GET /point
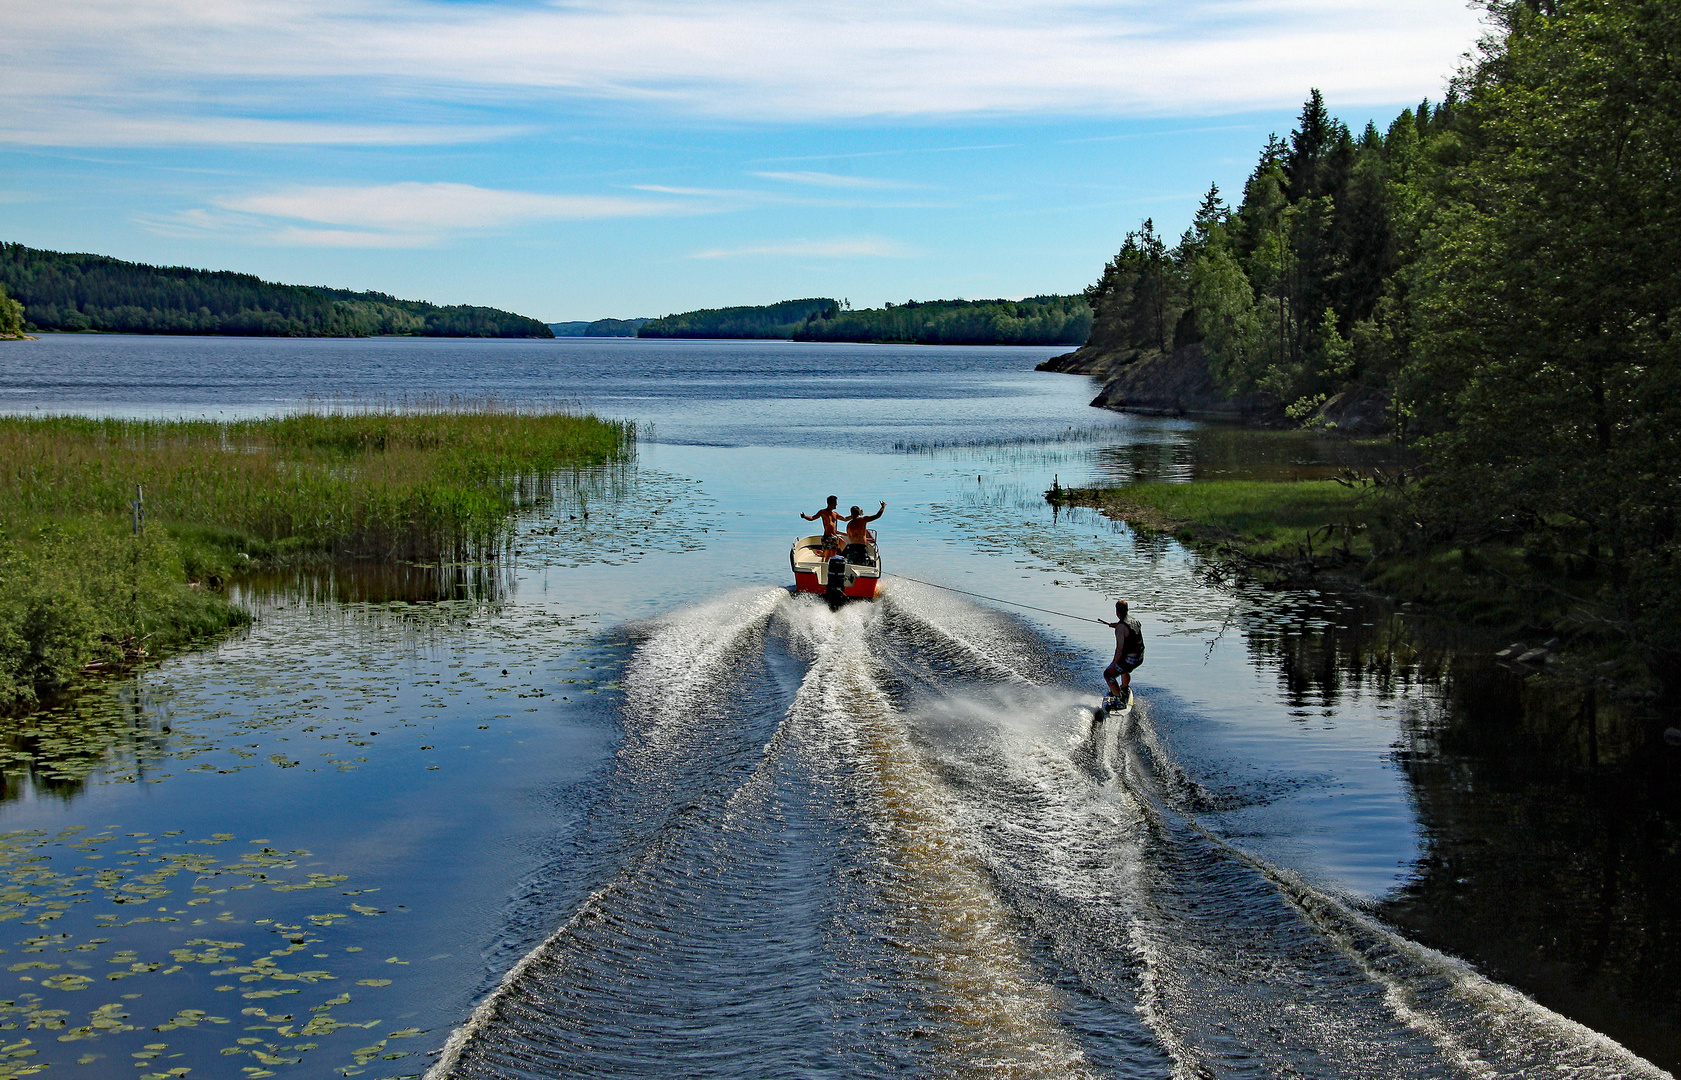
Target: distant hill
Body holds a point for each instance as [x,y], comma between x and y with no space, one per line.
[1037,320]
[768,321]
[95,292]
[598,328]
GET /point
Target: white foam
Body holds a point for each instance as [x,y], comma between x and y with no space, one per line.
[677,666]
[955,931]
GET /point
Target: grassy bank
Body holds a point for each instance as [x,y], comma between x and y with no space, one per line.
[1291,531]
[1272,527]
[1311,531]
[78,588]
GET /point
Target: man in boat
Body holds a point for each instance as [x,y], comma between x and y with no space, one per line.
[858,536]
[1129,652]
[830,516]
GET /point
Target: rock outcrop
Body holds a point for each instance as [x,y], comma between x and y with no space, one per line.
[1179,384]
[1358,410]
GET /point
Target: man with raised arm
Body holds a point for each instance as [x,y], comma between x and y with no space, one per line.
[858,534]
[830,517]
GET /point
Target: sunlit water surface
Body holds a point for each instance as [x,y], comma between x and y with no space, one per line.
[634,808]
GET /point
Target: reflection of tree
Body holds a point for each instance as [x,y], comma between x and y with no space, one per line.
[1326,651]
[1559,882]
[1544,872]
[1223,452]
[52,752]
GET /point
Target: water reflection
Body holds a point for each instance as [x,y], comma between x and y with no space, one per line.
[51,753]
[1557,879]
[1139,449]
[1326,648]
[1550,860]
[376,583]
[1178,451]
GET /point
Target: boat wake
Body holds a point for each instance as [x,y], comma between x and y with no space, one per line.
[890,839]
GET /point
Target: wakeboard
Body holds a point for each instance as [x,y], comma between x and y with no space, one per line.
[1115,703]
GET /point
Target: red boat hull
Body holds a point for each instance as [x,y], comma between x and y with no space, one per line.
[864,588]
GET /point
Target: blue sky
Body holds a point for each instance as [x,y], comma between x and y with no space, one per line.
[578,160]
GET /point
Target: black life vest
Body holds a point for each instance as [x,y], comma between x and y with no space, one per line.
[1135,639]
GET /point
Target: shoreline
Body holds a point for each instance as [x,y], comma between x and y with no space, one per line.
[1592,700]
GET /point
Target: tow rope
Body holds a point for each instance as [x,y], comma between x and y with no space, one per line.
[999,600]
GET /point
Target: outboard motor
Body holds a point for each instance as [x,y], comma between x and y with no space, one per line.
[840,576]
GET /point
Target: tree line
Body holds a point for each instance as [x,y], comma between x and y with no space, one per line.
[774,321]
[1037,320]
[1504,266]
[94,292]
[598,328]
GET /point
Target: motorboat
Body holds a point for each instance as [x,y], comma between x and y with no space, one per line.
[850,575]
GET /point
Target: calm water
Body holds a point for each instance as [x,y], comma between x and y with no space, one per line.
[633,808]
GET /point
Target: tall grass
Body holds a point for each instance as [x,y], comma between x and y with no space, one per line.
[430,483]
[1263,520]
[389,483]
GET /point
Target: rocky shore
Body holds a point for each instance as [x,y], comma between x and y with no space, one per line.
[1178,383]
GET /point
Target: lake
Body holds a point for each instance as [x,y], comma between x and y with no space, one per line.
[622,804]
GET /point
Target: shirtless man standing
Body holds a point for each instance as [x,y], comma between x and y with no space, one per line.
[858,535]
[1129,652]
[831,519]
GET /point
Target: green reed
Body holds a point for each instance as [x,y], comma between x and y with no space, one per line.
[387,483]
[433,481]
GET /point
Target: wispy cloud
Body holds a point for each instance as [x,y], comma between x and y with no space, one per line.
[418,206]
[850,248]
[141,71]
[409,214]
[40,125]
[893,153]
[831,180]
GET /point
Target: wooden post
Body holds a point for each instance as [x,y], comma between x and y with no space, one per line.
[139,508]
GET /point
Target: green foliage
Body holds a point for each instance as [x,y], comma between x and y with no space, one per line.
[1137,302]
[1261,519]
[78,592]
[1037,320]
[769,321]
[11,315]
[1546,378]
[1296,293]
[93,292]
[1506,268]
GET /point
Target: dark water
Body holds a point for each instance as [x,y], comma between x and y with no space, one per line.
[633,808]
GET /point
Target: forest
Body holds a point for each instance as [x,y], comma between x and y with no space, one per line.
[1037,320]
[1504,269]
[776,321]
[95,292]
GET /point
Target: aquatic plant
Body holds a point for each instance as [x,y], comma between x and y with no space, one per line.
[88,577]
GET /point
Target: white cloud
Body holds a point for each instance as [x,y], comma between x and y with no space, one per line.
[80,126]
[140,71]
[854,248]
[832,180]
[412,206]
[403,215]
